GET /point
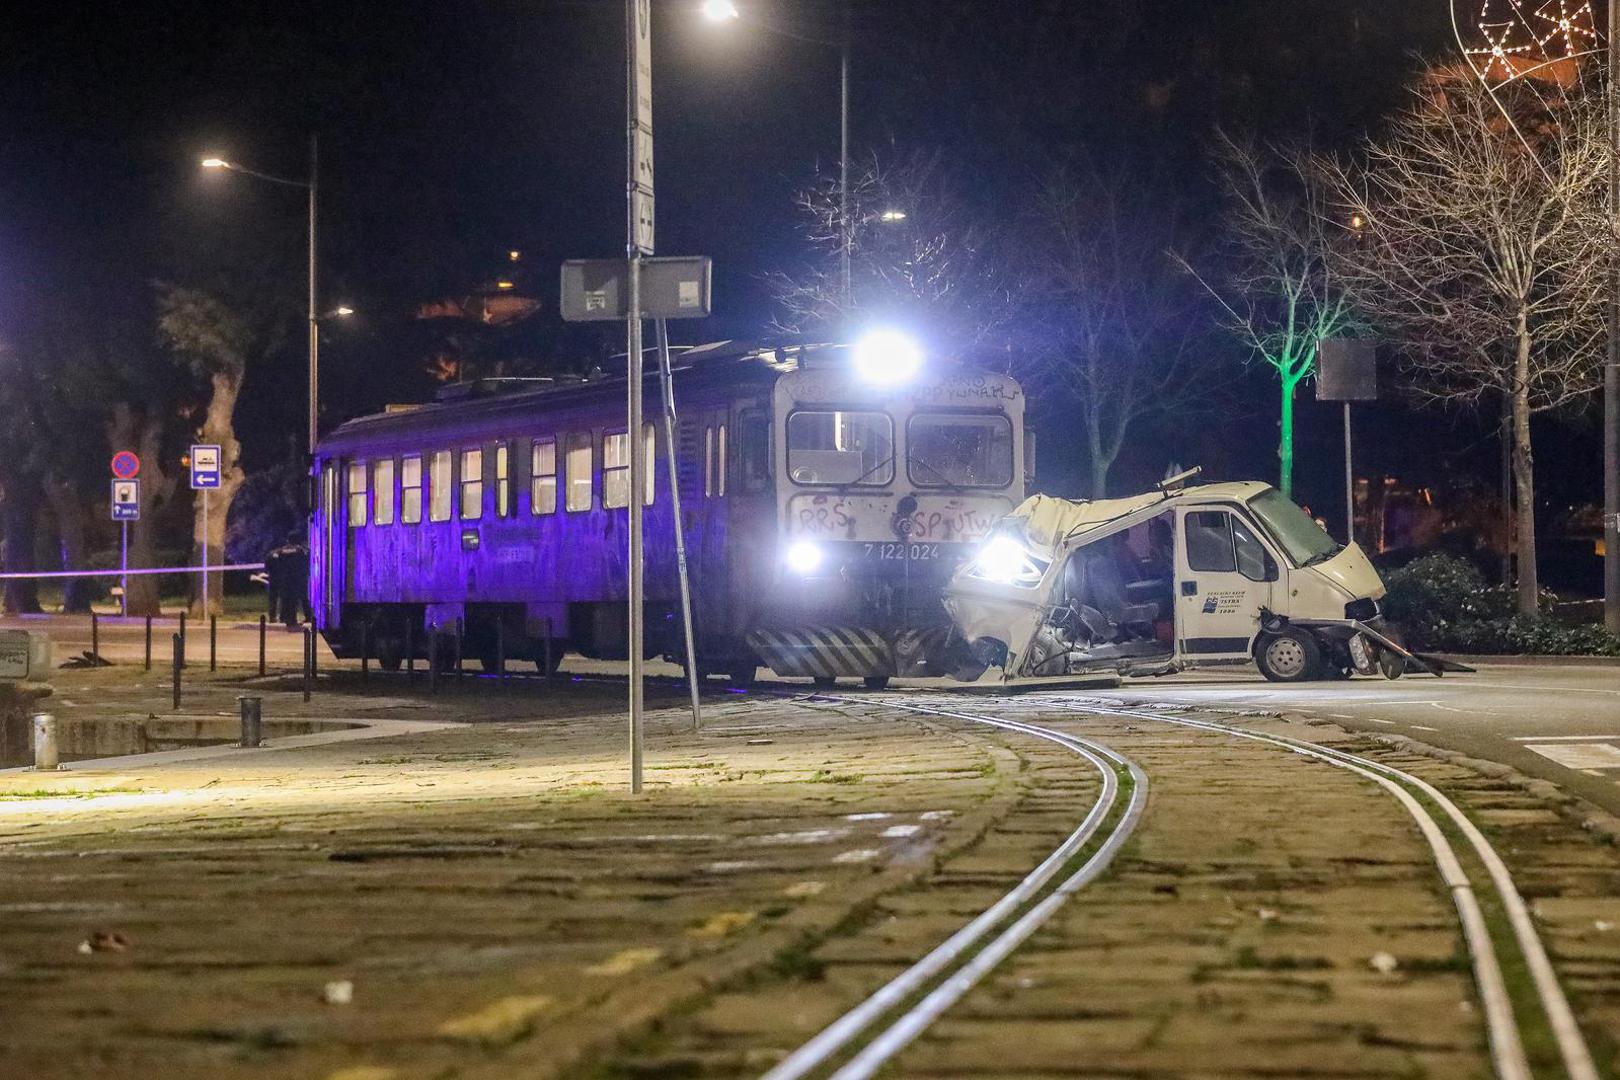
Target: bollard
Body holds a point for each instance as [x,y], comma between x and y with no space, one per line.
[309,661]
[149,643]
[365,654]
[252,721]
[46,757]
[182,638]
[179,661]
[261,645]
[213,640]
[95,634]
[410,649]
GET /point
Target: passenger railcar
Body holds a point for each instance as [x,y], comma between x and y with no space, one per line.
[824,508]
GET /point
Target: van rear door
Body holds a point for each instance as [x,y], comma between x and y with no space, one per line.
[1225,574]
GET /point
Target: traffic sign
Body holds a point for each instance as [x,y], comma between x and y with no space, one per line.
[126,500]
[204,467]
[672,287]
[126,465]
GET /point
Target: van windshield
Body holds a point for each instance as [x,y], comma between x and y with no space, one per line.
[1301,537]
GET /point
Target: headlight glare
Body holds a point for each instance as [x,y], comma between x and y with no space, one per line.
[804,557]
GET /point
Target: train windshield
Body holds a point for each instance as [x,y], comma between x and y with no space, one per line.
[957,450]
[840,448]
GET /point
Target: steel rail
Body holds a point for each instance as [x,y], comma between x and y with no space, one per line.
[1572,1047]
[914,980]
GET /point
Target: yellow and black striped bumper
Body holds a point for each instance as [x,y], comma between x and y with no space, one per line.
[824,651]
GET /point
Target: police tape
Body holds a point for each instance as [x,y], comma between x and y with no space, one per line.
[132,572]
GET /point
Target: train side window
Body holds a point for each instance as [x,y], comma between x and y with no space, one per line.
[577,462]
[708,462]
[753,451]
[615,470]
[503,480]
[410,489]
[439,490]
[649,446]
[357,494]
[1209,541]
[721,460]
[472,484]
[382,492]
[714,461]
[543,476]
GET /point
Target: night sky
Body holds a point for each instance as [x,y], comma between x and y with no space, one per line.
[452,133]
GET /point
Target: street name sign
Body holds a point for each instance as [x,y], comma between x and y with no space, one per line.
[204,467]
[672,287]
[126,500]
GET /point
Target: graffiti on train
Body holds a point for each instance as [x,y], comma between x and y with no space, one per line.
[841,518]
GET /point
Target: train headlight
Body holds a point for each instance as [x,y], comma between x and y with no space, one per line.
[804,557]
[887,357]
[1007,562]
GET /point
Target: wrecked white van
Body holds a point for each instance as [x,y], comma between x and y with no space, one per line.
[1179,577]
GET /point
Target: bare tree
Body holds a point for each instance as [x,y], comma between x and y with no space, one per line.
[1112,320]
[1280,293]
[921,256]
[1488,255]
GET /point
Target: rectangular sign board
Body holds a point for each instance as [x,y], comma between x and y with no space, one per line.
[672,287]
[24,654]
[204,466]
[1346,370]
[126,500]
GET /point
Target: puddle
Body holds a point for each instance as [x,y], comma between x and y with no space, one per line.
[85,739]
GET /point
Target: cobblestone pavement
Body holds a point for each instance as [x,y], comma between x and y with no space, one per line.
[498,905]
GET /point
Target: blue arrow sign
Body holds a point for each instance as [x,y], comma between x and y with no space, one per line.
[204,467]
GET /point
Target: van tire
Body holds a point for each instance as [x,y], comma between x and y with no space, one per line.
[1289,655]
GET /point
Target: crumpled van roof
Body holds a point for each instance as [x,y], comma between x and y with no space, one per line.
[1048,522]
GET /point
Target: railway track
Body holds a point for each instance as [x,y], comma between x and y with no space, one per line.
[872,1033]
[902,1009]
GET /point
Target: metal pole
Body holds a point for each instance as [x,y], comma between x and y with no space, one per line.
[123,569]
[262,621]
[846,231]
[1349,484]
[314,329]
[149,643]
[205,551]
[1611,367]
[665,376]
[95,634]
[633,378]
[213,642]
[252,721]
[182,637]
[178,644]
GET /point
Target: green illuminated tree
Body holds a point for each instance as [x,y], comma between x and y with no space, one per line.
[1279,291]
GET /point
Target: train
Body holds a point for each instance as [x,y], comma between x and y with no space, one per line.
[828,493]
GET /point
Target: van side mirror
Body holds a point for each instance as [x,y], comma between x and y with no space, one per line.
[1029,458]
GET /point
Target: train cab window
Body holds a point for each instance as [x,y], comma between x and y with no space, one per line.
[357,494]
[840,448]
[577,463]
[503,480]
[543,476]
[472,484]
[382,492]
[439,490]
[410,489]
[753,451]
[959,450]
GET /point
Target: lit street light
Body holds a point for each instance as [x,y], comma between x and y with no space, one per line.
[313,316]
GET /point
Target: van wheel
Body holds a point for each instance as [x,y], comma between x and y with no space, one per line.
[1289,655]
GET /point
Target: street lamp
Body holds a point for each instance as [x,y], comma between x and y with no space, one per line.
[313,316]
[723,11]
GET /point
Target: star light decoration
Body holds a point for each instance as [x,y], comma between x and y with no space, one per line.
[1514,40]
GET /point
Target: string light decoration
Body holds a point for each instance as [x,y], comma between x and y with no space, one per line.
[1516,38]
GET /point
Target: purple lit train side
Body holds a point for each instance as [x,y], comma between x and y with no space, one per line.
[823,513]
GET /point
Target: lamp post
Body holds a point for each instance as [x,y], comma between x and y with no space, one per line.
[310,186]
[722,11]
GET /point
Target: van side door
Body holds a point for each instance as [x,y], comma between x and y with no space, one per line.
[1225,574]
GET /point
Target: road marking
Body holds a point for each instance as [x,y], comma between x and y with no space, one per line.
[1555,689]
[1562,738]
[1582,756]
[1423,727]
[1375,720]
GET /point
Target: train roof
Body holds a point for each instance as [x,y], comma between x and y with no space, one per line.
[721,363]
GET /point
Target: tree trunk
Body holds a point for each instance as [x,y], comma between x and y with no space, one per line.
[1285,440]
[1523,475]
[218,429]
[20,516]
[70,513]
[1099,458]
